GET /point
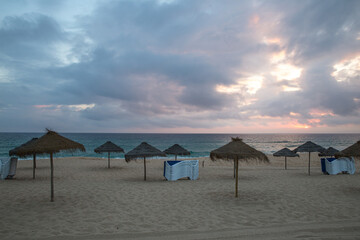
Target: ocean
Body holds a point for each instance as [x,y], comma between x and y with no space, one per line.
[199,145]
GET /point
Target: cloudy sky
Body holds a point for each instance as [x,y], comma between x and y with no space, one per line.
[180,66]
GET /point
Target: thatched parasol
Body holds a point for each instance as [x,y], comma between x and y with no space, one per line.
[176,149]
[285,152]
[108,147]
[14,152]
[144,150]
[50,143]
[309,147]
[237,150]
[352,151]
[328,152]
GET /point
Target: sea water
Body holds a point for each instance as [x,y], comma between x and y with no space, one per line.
[200,145]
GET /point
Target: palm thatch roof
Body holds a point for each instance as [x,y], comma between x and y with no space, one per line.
[285,152]
[329,152]
[51,142]
[13,152]
[143,150]
[108,147]
[352,151]
[18,149]
[176,149]
[237,149]
[309,147]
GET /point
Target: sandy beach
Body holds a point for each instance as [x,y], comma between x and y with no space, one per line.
[94,202]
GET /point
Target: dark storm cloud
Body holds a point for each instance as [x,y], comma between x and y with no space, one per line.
[327,93]
[136,76]
[27,37]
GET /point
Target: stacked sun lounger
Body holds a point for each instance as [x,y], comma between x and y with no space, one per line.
[174,170]
[334,166]
[8,167]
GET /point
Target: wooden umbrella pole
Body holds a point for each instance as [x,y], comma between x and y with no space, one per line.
[285,163]
[237,177]
[175,157]
[52,177]
[34,165]
[234,168]
[108,159]
[144,168]
[309,163]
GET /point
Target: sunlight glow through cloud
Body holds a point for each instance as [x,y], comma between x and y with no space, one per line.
[278,57]
[269,41]
[346,69]
[290,89]
[251,85]
[298,125]
[320,113]
[75,108]
[286,72]
[294,114]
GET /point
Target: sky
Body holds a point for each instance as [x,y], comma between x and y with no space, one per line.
[167,66]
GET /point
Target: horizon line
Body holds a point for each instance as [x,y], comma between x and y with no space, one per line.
[185,133]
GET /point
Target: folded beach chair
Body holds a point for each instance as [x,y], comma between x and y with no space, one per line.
[174,170]
[341,165]
[13,165]
[5,168]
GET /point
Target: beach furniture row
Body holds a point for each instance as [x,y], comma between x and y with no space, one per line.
[236,150]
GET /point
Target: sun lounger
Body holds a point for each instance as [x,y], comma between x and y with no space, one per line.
[8,167]
[4,168]
[174,170]
[13,165]
[334,166]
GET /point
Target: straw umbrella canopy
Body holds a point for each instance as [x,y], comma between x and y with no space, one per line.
[176,149]
[285,152]
[328,152]
[237,150]
[144,150]
[309,147]
[352,151]
[13,152]
[50,143]
[108,147]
